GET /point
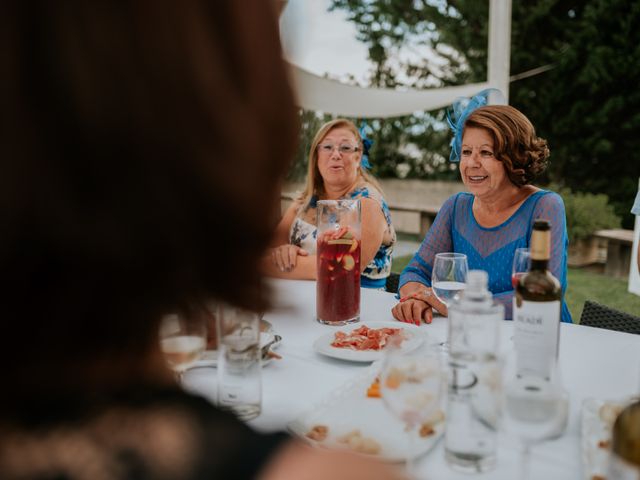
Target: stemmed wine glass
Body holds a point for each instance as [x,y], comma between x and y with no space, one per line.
[411,388]
[449,275]
[448,278]
[521,265]
[534,409]
[182,341]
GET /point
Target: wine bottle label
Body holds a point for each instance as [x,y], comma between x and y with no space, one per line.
[622,470]
[536,329]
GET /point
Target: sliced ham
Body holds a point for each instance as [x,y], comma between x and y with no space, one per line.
[365,338]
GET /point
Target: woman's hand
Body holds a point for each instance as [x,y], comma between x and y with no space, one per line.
[417,305]
[285,257]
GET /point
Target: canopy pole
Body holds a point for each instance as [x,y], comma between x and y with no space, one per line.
[499,57]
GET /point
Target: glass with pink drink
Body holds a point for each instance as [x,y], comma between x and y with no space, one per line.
[521,265]
[338,253]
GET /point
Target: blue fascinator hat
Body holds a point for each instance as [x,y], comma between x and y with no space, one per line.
[366,145]
[461,109]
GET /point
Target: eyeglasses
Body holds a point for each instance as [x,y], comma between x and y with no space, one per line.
[343,148]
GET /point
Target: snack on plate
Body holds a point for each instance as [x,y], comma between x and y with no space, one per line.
[426,429]
[318,433]
[374,389]
[356,442]
[365,338]
[437,417]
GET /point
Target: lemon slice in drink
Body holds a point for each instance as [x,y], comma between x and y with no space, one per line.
[348,262]
[340,241]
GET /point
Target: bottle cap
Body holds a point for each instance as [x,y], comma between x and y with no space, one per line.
[540,224]
[477,281]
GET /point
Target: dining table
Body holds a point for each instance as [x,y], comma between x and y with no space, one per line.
[594,363]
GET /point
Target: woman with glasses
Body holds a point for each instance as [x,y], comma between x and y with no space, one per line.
[337,170]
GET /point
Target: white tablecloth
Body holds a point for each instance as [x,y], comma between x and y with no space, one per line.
[594,363]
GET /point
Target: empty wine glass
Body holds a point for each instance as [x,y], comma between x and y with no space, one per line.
[521,265]
[182,340]
[411,386]
[534,409]
[449,275]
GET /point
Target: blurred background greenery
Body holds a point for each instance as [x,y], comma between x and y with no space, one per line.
[575,71]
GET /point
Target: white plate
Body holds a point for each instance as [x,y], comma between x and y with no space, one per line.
[209,358]
[348,409]
[322,345]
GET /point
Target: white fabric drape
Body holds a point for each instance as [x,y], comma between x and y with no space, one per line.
[331,96]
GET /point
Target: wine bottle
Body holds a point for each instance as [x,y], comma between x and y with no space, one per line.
[625,445]
[536,309]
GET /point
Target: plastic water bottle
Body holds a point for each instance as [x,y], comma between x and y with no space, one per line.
[473,377]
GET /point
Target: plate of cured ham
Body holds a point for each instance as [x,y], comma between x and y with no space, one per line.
[366,342]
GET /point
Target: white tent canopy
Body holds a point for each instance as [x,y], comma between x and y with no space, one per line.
[331,96]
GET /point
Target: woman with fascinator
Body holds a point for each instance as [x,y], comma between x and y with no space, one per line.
[337,170]
[499,157]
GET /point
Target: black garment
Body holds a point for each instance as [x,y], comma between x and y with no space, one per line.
[147,434]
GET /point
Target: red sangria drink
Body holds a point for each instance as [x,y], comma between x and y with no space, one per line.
[338,254]
[338,290]
[515,279]
[521,265]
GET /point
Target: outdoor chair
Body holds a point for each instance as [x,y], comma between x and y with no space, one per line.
[601,316]
[392,283]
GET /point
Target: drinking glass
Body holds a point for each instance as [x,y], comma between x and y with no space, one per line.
[521,265]
[239,361]
[449,275]
[534,409]
[182,340]
[448,278]
[338,262]
[411,384]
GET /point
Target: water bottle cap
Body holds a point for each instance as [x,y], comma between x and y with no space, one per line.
[477,281]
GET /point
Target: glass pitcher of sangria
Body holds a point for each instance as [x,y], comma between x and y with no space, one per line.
[338,254]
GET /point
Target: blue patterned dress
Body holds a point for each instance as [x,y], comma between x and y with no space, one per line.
[303,233]
[492,249]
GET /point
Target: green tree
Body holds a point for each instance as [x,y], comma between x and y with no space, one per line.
[587,105]
[417,146]
[310,123]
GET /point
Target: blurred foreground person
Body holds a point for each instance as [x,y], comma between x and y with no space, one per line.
[128,129]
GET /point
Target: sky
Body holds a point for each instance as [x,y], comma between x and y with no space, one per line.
[321,41]
[324,42]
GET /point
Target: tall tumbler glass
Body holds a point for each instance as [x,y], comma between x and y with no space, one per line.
[338,252]
[239,364]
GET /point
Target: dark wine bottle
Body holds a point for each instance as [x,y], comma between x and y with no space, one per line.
[625,445]
[537,306]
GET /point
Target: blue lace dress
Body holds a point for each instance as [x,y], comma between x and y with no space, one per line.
[303,233]
[492,249]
